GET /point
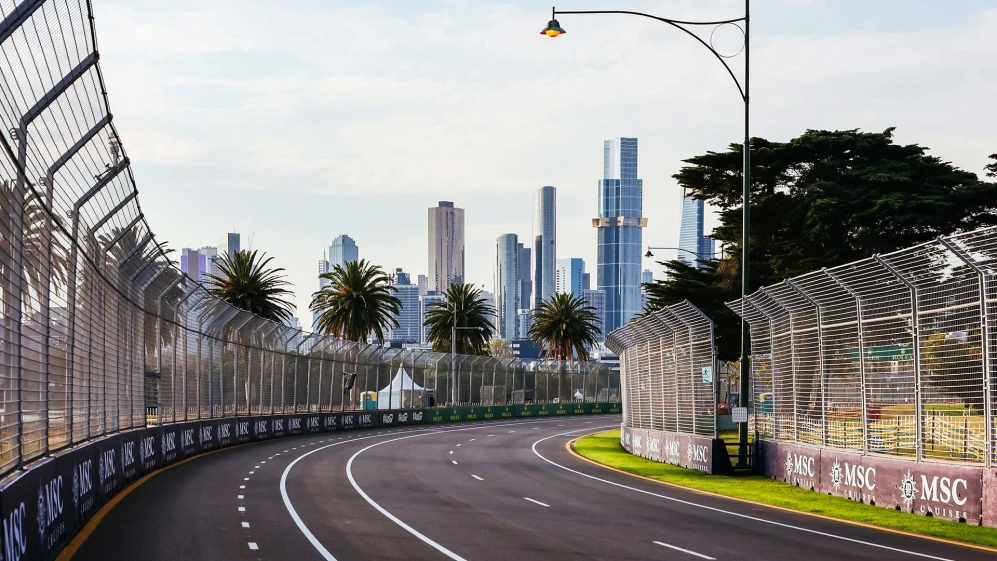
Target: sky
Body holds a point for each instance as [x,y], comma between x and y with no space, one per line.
[293,126]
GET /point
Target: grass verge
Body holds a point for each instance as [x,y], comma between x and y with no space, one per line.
[605,449]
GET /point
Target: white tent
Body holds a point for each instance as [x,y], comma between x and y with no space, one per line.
[401,393]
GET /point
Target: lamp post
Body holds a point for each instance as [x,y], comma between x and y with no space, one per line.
[554,29]
[650,255]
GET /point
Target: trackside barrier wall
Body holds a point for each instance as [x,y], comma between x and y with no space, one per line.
[669,378]
[875,380]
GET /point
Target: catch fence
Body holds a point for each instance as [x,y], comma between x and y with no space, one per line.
[101,332]
[891,355]
[668,371]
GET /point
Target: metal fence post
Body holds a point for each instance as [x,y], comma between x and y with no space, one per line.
[916,342]
[820,355]
[861,350]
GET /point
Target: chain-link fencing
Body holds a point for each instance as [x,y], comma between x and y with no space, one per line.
[891,355]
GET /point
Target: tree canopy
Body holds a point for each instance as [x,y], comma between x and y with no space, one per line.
[822,199]
[358,301]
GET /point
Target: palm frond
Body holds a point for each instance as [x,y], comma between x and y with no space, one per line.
[463,303]
[246,281]
[565,327]
[358,301]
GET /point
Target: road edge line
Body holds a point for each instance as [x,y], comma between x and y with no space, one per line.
[570,447]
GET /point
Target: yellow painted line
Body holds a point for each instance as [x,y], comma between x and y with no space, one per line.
[570,446]
[71,548]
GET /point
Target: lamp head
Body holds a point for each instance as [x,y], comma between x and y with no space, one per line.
[553,29]
[649,254]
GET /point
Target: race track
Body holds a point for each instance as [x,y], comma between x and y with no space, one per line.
[484,491]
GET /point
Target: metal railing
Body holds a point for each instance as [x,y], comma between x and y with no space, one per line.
[101,332]
[893,355]
[668,371]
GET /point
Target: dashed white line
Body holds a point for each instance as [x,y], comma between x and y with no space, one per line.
[451,451]
[263,462]
[491,435]
[245,479]
[242,509]
[253,546]
[512,431]
[252,472]
[476,477]
[472,440]
[245,524]
[240,497]
[537,502]
[677,548]
[458,445]
[256,467]
[454,462]
[242,486]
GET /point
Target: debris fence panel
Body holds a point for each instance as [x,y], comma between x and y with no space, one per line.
[891,355]
[668,370]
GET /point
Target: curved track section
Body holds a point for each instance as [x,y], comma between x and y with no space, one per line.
[485,491]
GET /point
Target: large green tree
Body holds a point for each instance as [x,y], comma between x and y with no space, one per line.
[564,326]
[463,303]
[358,301]
[246,281]
[822,199]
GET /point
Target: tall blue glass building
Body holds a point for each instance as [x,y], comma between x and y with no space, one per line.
[691,238]
[544,244]
[620,238]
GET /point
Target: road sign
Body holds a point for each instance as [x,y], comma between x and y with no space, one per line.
[739,414]
[707,374]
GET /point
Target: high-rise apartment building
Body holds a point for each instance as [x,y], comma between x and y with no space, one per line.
[544,243]
[568,276]
[586,281]
[506,284]
[619,232]
[489,300]
[199,263]
[423,283]
[426,303]
[410,317]
[694,245]
[446,246]
[524,321]
[597,300]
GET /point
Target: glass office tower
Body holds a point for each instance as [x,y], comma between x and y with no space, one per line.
[544,244]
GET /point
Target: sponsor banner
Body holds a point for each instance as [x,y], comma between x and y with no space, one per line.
[544,410]
[614,407]
[207,435]
[990,497]
[530,410]
[243,430]
[349,421]
[419,416]
[625,439]
[37,508]
[297,424]
[367,419]
[278,426]
[78,469]
[129,460]
[190,439]
[694,452]
[150,457]
[169,444]
[939,490]
[638,442]
[313,423]
[227,432]
[474,413]
[331,422]
[563,408]
[260,427]
[580,408]
[109,461]
[654,445]
[387,418]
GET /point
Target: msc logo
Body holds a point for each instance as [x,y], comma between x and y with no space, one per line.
[260,427]
[347,420]
[169,442]
[799,465]
[313,422]
[147,448]
[637,441]
[294,423]
[330,422]
[15,543]
[242,428]
[857,476]
[224,430]
[278,425]
[653,445]
[82,480]
[205,433]
[366,419]
[106,465]
[127,456]
[696,453]
[187,438]
[672,448]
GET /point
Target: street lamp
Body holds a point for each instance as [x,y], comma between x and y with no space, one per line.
[554,29]
[650,255]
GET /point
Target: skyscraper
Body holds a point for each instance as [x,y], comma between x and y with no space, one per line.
[507,286]
[544,243]
[597,300]
[230,243]
[423,284]
[426,303]
[586,281]
[524,320]
[525,275]
[342,250]
[647,277]
[446,246]
[620,237]
[568,276]
[410,317]
[691,237]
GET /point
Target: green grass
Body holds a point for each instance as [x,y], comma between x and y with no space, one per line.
[605,448]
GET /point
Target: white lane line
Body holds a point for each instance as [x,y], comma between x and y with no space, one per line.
[537,502]
[245,524]
[458,445]
[454,462]
[476,477]
[719,510]
[257,467]
[512,431]
[677,548]
[451,451]
[245,479]
[253,546]
[251,472]
[242,509]
[491,435]
[263,462]
[536,428]
[472,440]
[240,497]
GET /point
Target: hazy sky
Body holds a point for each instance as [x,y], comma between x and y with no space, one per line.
[295,125]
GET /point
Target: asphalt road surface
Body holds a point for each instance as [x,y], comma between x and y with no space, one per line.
[485,491]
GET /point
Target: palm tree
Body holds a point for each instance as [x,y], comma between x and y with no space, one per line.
[359,300]
[564,326]
[464,303]
[247,283]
